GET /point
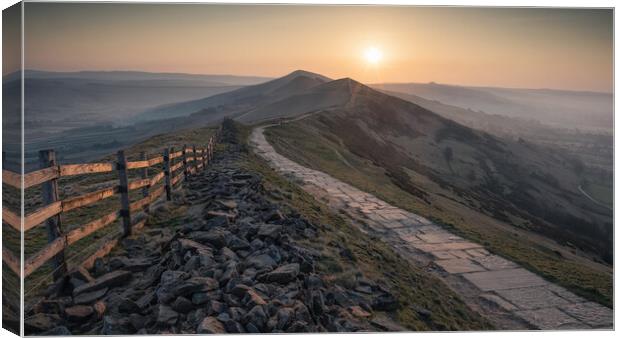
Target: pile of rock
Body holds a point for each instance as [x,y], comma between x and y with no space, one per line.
[235,266]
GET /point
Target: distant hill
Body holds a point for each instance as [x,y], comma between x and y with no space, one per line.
[205,79]
[59,101]
[242,100]
[557,108]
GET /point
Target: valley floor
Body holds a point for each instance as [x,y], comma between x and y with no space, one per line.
[506,293]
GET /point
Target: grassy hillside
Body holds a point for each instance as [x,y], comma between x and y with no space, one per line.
[559,108]
[426,303]
[316,144]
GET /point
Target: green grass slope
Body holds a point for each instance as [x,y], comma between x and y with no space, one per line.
[315,143]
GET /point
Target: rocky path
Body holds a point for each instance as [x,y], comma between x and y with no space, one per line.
[506,293]
[232,264]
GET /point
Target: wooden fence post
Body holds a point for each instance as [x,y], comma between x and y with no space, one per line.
[167,175]
[195,159]
[185,161]
[47,158]
[204,158]
[211,148]
[145,175]
[121,166]
[208,157]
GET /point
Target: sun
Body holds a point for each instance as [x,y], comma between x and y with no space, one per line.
[373,55]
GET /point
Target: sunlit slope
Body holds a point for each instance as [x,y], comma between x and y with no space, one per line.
[508,179]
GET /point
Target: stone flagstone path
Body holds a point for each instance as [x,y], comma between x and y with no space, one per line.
[509,295]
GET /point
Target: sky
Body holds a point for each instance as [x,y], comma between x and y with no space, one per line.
[509,47]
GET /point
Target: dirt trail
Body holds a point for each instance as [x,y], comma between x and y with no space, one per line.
[506,293]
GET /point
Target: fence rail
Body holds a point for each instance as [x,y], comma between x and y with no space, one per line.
[191,159]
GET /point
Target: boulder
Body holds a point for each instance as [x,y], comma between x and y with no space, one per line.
[41,322]
[130,264]
[204,284]
[116,326]
[269,230]
[236,313]
[237,243]
[251,328]
[358,312]
[228,254]
[317,302]
[217,237]
[79,312]
[313,281]
[214,308]
[146,300]
[167,292]
[111,279]
[283,274]
[57,331]
[230,272]
[261,262]
[257,317]
[233,327]
[218,221]
[200,298]
[210,325]
[256,244]
[55,306]
[137,321]
[89,297]
[252,298]
[166,316]
[128,306]
[182,304]
[284,317]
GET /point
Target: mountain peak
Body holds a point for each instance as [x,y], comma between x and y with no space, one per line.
[301,72]
[348,84]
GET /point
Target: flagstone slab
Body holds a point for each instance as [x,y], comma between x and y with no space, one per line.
[532,298]
[562,292]
[549,319]
[460,254]
[439,237]
[498,301]
[504,279]
[494,262]
[591,313]
[447,246]
[477,252]
[443,255]
[458,265]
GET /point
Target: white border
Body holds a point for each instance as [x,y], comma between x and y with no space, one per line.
[490,3]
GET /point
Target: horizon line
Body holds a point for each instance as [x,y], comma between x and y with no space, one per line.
[276,77]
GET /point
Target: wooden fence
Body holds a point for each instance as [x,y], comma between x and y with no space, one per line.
[189,159]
